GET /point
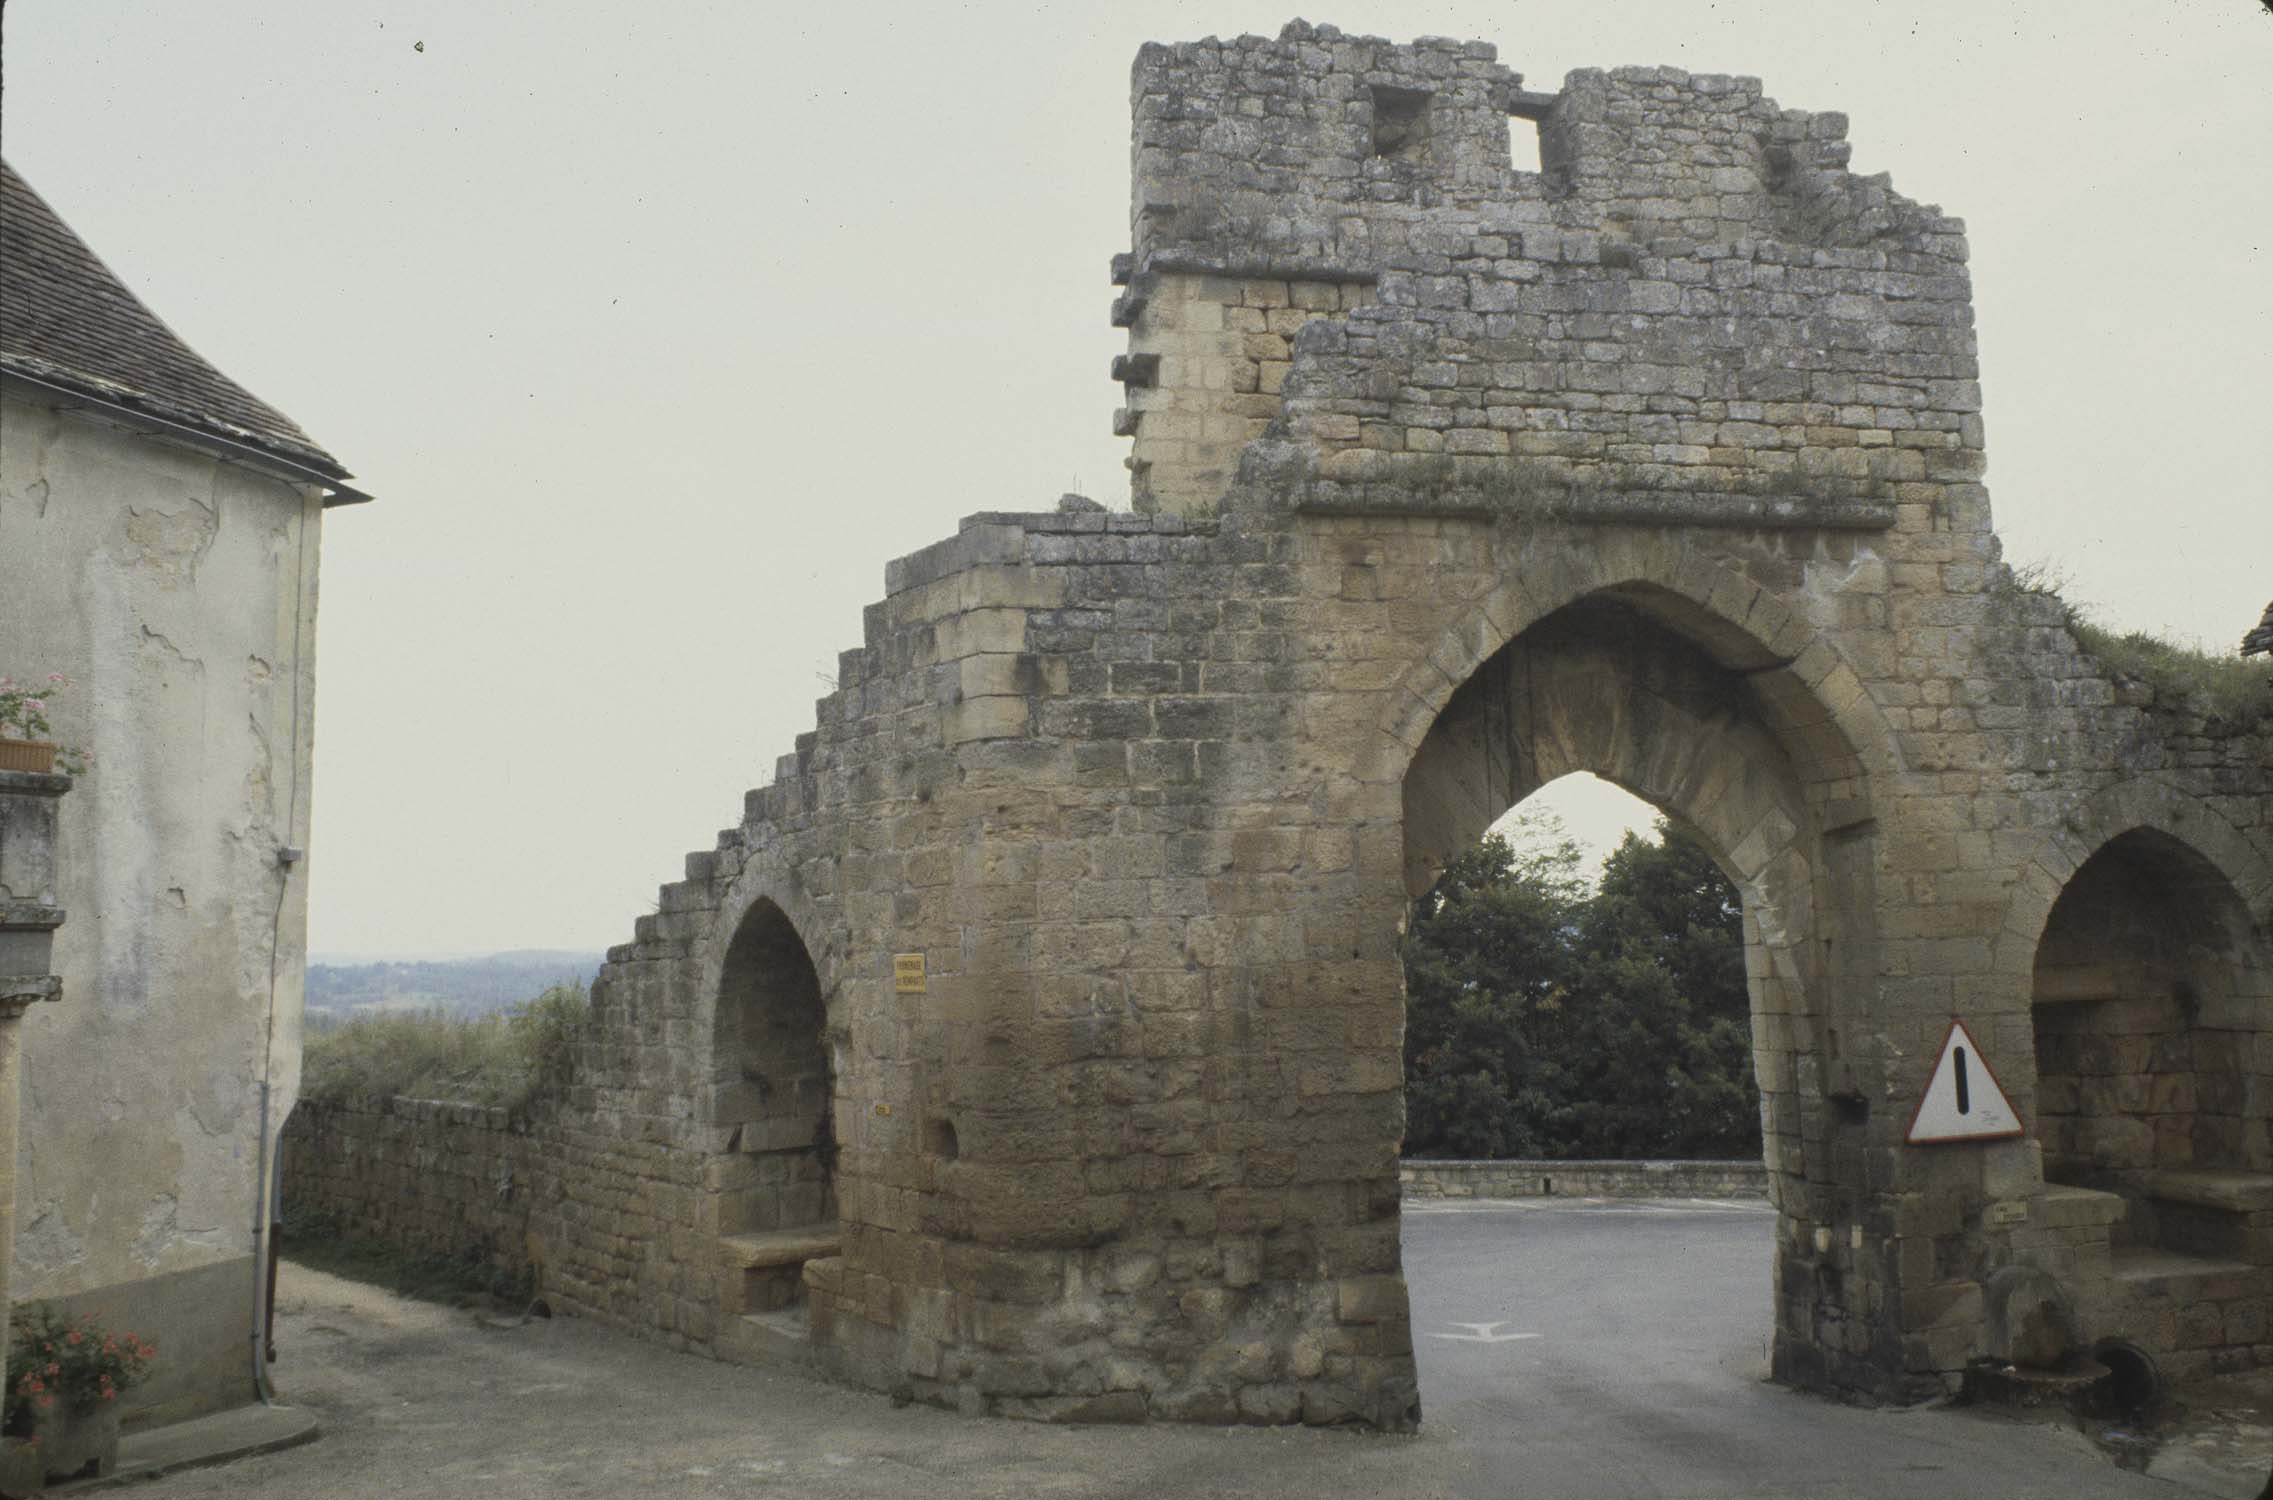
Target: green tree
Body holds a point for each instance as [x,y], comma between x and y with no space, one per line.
[1491,952]
[1667,900]
[1544,1019]
[1670,929]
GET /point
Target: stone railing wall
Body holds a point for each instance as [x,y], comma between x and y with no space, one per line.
[427,1175]
[1583,1179]
[456,1179]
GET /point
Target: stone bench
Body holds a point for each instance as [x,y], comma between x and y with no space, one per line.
[2212,1213]
[766,1271]
[2232,1192]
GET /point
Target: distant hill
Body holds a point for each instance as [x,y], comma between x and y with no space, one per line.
[456,986]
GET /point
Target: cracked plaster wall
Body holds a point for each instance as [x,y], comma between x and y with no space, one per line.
[177,592]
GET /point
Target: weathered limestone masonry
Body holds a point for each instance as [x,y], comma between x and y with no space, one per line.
[1041,1021]
[429,1175]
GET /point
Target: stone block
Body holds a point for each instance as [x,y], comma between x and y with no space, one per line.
[1370,1299]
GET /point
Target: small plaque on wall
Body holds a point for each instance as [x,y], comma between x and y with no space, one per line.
[907,973]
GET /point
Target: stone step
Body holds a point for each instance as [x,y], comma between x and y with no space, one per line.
[780,1247]
[2063,1207]
[782,1337]
[794,1323]
[2146,1271]
[2229,1192]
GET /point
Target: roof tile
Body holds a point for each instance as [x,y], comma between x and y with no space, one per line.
[66,319]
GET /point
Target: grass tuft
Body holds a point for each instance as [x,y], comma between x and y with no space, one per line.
[2227,685]
[500,1060]
[2234,687]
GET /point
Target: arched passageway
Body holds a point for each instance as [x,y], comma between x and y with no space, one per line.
[773,1169]
[1612,685]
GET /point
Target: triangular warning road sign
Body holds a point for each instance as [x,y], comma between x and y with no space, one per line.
[1963,1101]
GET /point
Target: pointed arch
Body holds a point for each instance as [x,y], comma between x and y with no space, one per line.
[767,1109]
[2143,802]
[1833,729]
[2149,995]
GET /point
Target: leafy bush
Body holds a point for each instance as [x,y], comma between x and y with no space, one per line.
[1546,1020]
[494,1060]
[69,1362]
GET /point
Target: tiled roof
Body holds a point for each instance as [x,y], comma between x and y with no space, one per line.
[66,320]
[2260,639]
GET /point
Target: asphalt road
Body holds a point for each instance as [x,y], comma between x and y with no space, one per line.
[1642,1381]
[1620,1350]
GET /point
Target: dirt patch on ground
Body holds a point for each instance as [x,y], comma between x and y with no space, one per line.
[417,1398]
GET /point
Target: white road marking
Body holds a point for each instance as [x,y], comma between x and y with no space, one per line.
[1484,1333]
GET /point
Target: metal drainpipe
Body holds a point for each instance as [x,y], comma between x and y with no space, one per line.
[261,1389]
[287,858]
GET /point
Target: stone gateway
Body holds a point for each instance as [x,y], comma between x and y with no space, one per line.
[1032,1044]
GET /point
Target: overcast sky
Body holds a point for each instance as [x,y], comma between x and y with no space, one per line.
[658,327]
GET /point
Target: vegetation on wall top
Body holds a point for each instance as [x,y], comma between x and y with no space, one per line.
[501,1060]
[2225,684]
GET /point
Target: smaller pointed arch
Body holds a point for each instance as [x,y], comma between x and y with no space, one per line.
[772,1081]
[2150,996]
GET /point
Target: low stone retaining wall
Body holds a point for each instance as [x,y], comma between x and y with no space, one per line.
[426,1175]
[1583,1179]
[456,1179]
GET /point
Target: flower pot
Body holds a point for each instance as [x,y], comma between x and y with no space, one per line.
[23,1472]
[79,1445]
[26,755]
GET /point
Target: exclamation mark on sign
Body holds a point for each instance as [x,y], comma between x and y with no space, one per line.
[1964,1099]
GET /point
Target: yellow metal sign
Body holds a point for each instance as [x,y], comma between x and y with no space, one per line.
[907,973]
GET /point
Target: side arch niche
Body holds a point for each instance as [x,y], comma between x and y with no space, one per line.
[1612,685]
[2149,1000]
[772,1175]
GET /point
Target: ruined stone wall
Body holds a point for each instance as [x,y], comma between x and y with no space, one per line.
[1659,326]
[1664,463]
[1211,356]
[574,1189]
[1156,875]
[616,1195]
[431,1176]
